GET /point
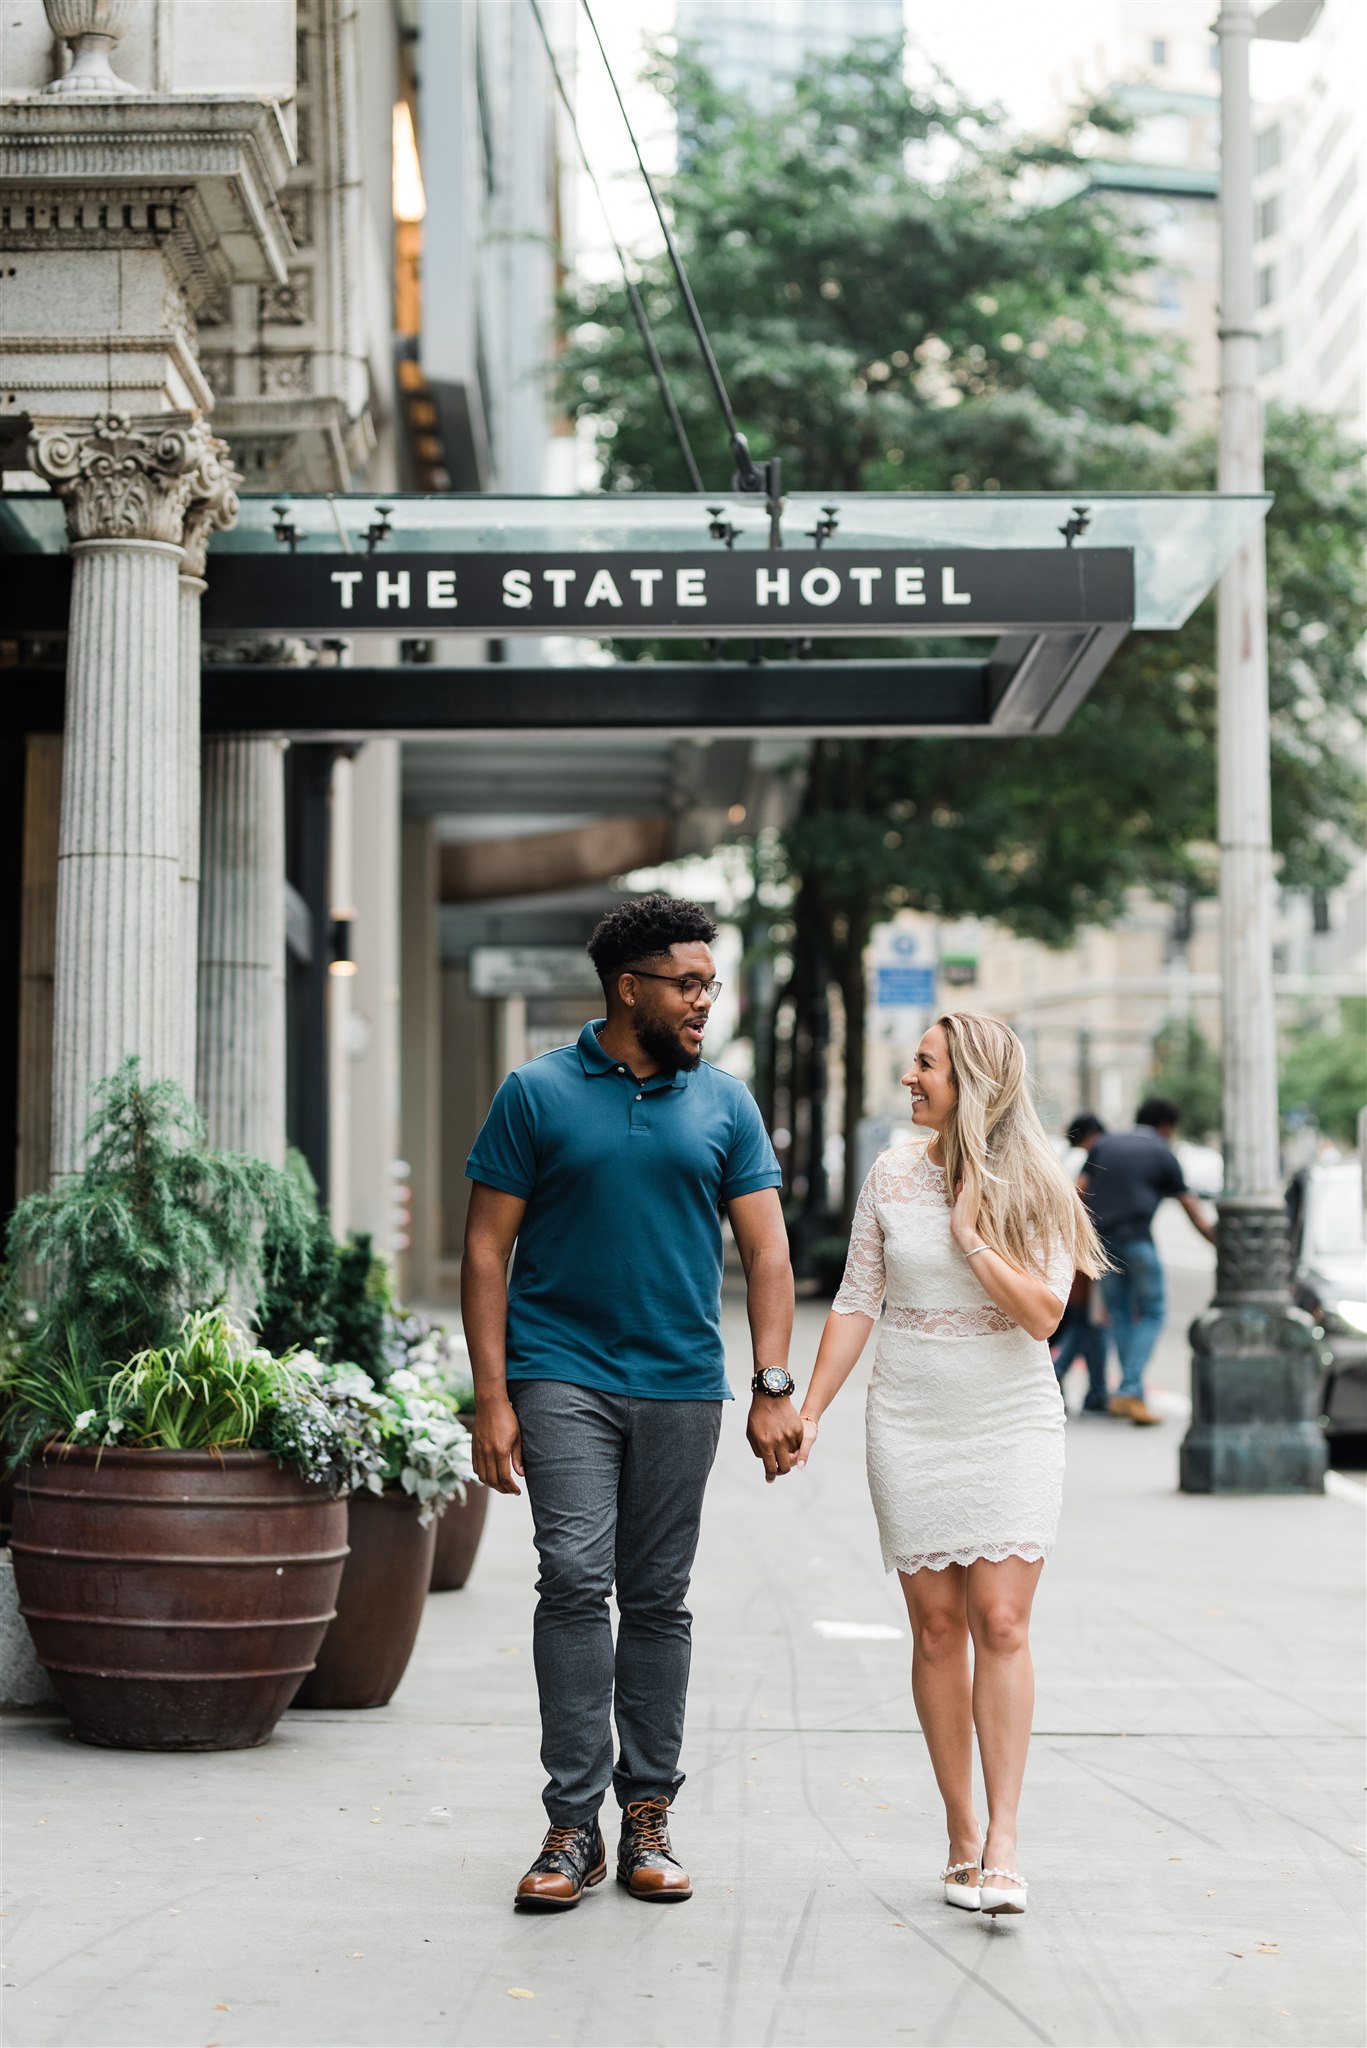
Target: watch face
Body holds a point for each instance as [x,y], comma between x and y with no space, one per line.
[775,1380]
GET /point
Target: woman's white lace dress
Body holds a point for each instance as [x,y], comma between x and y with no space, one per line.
[964,1425]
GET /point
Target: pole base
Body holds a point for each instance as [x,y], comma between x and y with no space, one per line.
[1254,1377]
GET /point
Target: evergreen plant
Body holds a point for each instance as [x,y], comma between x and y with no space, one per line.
[153,1226]
[298,1272]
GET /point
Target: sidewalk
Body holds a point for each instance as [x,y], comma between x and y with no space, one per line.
[1192,1821]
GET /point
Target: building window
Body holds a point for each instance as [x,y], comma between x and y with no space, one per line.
[1339,347]
[1338,198]
[1213,55]
[1158,53]
[1269,217]
[1169,292]
[1271,349]
[1267,284]
[1267,153]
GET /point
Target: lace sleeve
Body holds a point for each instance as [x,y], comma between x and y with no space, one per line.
[861,1291]
[1058,1269]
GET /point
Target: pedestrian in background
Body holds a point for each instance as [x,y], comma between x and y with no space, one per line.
[1127,1175]
[1080,1334]
[600,1375]
[972,1235]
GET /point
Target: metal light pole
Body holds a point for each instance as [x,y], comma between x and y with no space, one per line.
[1254,1358]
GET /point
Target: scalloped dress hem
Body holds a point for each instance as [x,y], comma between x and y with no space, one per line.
[982,1553]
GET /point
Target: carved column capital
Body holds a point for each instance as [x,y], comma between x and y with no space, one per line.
[121,478]
[212,504]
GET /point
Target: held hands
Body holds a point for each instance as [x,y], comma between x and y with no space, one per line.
[775,1434]
[496,1451]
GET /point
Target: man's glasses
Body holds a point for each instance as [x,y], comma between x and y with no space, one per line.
[690,986]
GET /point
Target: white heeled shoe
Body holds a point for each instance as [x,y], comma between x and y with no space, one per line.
[966,1896]
[1003,1898]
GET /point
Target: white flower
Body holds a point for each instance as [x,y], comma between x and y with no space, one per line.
[85,1418]
[406,1382]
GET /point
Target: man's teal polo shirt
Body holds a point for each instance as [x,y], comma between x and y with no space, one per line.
[616,1281]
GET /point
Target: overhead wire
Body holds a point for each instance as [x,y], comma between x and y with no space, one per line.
[633,295]
[748,475]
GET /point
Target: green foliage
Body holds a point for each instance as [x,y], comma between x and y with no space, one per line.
[1186,1066]
[1325,1071]
[299,1268]
[361,1303]
[207,1391]
[902,299]
[154,1225]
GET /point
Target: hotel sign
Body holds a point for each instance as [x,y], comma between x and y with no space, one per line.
[789,593]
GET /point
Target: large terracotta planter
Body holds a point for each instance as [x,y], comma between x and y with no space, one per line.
[458,1534]
[176,1598]
[379,1605]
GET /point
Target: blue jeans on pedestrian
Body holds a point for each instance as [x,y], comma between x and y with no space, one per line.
[1077,1336]
[616,1489]
[1136,1302]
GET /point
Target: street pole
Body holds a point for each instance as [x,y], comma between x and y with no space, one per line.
[1254,1358]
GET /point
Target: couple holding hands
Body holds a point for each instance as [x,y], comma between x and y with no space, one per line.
[600,1377]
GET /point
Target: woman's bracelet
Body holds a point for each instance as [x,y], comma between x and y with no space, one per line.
[976,1249]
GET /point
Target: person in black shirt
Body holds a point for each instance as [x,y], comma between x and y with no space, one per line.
[1128,1173]
[1077,1336]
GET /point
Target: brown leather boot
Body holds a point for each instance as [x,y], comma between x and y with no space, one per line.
[646,1863]
[571,1862]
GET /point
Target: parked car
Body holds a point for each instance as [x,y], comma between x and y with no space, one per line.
[1329,1279]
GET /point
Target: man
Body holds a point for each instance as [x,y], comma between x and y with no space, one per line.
[1128,1173]
[1078,1336]
[599,1370]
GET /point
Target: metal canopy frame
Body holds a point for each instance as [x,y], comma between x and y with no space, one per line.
[1050,616]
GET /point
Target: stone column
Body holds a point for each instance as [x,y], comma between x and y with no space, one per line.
[212,506]
[42,813]
[123,978]
[241,1056]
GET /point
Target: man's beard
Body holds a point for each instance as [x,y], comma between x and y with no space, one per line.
[664,1046]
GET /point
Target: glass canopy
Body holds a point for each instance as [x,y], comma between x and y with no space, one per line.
[1181,540]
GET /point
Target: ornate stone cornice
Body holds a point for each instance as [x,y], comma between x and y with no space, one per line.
[213,503]
[209,169]
[124,479]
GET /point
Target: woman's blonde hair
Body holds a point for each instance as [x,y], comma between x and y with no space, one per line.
[995,1144]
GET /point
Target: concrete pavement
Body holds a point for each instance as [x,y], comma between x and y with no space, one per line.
[1192,1826]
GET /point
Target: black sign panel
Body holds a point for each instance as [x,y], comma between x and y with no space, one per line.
[792,593]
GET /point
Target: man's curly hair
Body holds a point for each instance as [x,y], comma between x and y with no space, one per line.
[645,930]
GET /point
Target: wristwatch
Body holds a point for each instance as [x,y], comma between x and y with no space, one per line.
[774,1379]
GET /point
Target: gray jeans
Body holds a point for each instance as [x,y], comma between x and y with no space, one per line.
[616,1488]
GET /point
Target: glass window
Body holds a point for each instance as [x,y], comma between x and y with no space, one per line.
[1269,217]
[1158,52]
[1271,349]
[1267,284]
[1268,149]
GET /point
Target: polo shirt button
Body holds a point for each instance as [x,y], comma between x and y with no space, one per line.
[621,1070]
[639,1098]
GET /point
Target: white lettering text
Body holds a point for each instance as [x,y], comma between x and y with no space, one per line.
[441,590]
[645,580]
[690,586]
[391,585]
[771,583]
[602,590]
[820,586]
[348,579]
[865,578]
[948,594]
[558,579]
[517,589]
[910,586]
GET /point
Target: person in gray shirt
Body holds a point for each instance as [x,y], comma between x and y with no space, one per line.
[1128,1173]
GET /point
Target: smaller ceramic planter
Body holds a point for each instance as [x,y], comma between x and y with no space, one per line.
[458,1534]
[379,1604]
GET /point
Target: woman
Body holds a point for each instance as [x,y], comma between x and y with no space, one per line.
[973,1237]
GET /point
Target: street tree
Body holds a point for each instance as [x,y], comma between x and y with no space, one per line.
[901,297]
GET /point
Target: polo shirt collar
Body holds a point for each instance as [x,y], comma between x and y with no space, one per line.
[594,1060]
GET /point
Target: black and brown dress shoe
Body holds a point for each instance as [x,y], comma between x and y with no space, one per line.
[571,1862]
[646,1864]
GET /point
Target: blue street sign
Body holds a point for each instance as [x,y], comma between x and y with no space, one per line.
[909,988]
